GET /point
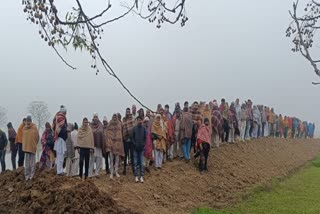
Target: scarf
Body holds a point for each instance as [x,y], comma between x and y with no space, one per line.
[204,134]
[85,137]
[114,138]
[20,133]
[186,125]
[98,135]
[157,129]
[30,138]
[217,122]
[232,117]
[59,122]
[128,124]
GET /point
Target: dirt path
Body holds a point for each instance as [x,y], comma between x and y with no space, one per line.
[178,188]
[233,169]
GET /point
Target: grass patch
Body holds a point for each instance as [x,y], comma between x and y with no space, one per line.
[299,194]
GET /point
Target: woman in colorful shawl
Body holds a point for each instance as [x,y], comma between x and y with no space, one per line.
[98,136]
[47,141]
[70,153]
[114,145]
[13,147]
[148,153]
[86,145]
[203,144]
[217,126]
[159,141]
[232,123]
[170,137]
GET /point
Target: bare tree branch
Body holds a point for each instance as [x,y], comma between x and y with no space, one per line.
[304,29]
[82,32]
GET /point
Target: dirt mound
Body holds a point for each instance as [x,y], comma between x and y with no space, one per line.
[177,188]
[233,171]
[48,193]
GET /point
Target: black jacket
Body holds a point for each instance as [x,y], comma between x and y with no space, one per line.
[3,140]
[139,136]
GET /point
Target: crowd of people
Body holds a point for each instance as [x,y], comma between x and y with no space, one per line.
[143,140]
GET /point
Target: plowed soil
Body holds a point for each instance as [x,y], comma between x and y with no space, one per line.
[177,188]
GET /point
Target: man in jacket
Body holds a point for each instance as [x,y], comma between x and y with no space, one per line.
[139,136]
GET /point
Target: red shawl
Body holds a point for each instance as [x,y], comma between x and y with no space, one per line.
[204,135]
[58,123]
[170,134]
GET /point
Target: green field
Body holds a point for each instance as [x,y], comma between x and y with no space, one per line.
[299,194]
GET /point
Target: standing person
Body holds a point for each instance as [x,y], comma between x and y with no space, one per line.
[75,160]
[176,108]
[170,139]
[256,121]
[141,113]
[3,149]
[224,111]
[263,120]
[176,148]
[98,136]
[29,145]
[159,141]
[286,126]
[197,120]
[249,120]
[13,147]
[186,133]
[47,141]
[60,134]
[114,145]
[203,144]
[148,152]
[70,153]
[232,123]
[186,105]
[86,145]
[281,126]
[238,112]
[167,112]
[128,124]
[19,143]
[139,137]
[217,126]
[105,153]
[243,121]
[134,112]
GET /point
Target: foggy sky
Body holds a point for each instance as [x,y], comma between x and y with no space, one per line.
[227,49]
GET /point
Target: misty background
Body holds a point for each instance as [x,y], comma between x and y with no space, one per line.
[228,49]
